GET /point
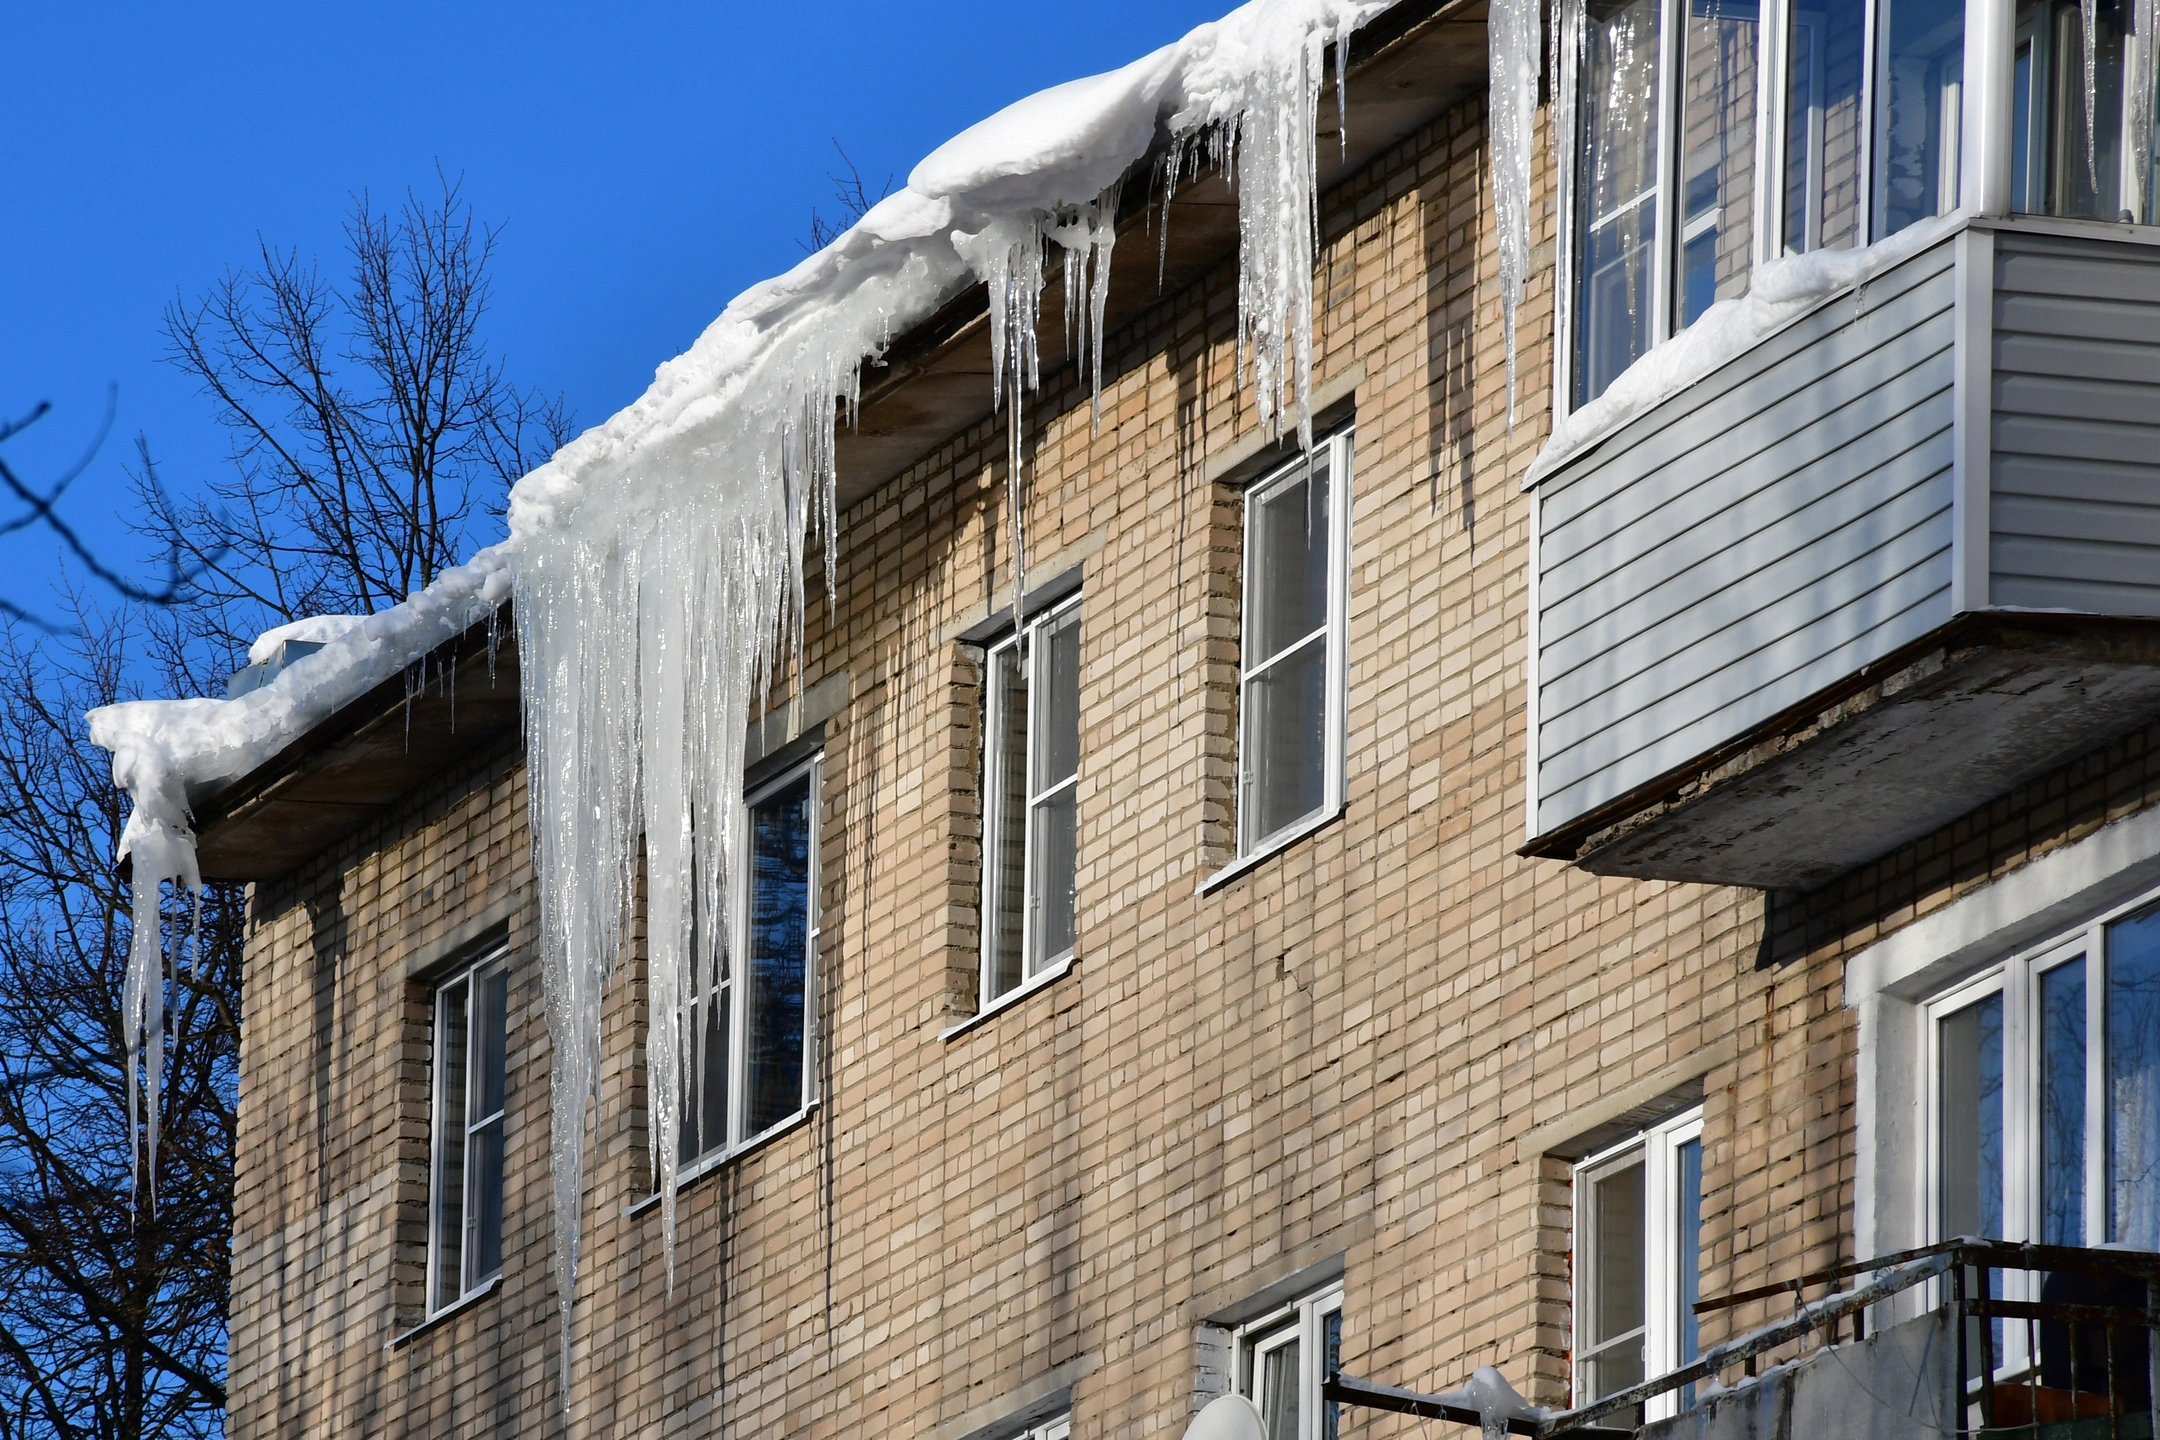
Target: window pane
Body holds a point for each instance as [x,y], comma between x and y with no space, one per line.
[1822,125]
[1005,818]
[1286,564]
[705,1077]
[2062,1105]
[1278,1391]
[1717,160]
[1971,1201]
[1057,707]
[1052,859]
[2133,1082]
[1285,742]
[779,950]
[483,1240]
[1918,92]
[1615,1307]
[1687,1257]
[448,1223]
[2085,151]
[490,1029]
[2021,110]
[1616,186]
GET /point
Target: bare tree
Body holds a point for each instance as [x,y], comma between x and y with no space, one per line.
[112,1315]
[40,511]
[853,197]
[369,423]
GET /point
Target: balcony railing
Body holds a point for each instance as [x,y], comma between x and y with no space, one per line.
[2052,1342]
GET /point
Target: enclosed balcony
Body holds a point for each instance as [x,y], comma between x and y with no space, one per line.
[1893,547]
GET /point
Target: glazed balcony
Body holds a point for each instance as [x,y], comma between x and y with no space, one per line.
[1895,559]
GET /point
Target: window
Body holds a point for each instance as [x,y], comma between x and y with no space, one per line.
[751,1032]
[465,1129]
[1290,677]
[2045,1113]
[1282,1360]
[1031,776]
[1638,1262]
[1664,173]
[2062,160]
[1059,1428]
[1859,105]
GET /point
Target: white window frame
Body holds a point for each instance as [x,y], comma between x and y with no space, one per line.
[470,1285]
[732,983]
[2017,979]
[1035,969]
[1340,452]
[1304,1320]
[1057,1427]
[1657,1148]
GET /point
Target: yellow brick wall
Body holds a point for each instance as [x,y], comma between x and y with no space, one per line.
[1336,1051]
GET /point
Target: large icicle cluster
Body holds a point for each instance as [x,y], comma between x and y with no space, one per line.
[1513,46]
[657,561]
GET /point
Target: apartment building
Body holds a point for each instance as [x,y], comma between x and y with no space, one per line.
[1460,895]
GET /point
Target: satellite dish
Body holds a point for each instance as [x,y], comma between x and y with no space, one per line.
[1227,1417]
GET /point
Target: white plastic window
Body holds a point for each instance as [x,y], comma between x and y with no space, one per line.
[2077,151]
[1290,681]
[1284,1357]
[465,1189]
[1638,1262]
[2044,1095]
[751,1062]
[1031,776]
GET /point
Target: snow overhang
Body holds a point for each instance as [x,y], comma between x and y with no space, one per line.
[364,759]
[1407,68]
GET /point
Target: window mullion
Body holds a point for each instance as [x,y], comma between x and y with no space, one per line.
[1292,648]
[1672,49]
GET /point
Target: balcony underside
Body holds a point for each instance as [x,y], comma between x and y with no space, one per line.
[1978,707]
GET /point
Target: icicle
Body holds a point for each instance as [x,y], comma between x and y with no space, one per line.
[162,847]
[1511,132]
[1087,234]
[2089,21]
[2139,79]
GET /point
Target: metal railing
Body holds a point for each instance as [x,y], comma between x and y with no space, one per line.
[2067,1343]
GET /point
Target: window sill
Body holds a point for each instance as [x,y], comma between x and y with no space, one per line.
[1282,841]
[448,1313]
[1040,981]
[713,1164]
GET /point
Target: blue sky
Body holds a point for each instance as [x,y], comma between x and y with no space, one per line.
[646,162]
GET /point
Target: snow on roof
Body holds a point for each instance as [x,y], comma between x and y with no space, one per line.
[644,640]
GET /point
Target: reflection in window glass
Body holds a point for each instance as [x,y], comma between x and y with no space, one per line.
[1717,156]
[2133,1082]
[1687,1259]
[1828,51]
[1971,1090]
[779,944]
[1616,182]
[1918,94]
[2062,1104]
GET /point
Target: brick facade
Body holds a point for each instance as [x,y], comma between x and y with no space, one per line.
[1340,1051]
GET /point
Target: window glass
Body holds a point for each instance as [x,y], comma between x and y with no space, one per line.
[2061,1111]
[1971,1120]
[1291,640]
[1918,94]
[2133,1082]
[465,1206]
[1031,770]
[1687,1255]
[1617,189]
[779,944]
[1613,1354]
[1826,64]
[751,1021]
[1715,254]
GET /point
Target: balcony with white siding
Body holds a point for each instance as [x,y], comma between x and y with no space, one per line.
[1897,559]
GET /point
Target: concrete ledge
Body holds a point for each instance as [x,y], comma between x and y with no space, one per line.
[1046,1395]
[457,943]
[1668,1088]
[1264,1287]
